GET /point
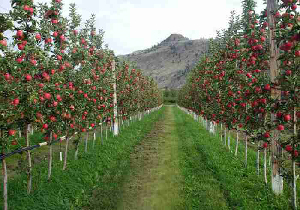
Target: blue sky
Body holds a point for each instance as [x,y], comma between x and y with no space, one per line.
[135,24]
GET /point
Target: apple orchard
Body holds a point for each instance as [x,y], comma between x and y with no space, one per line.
[249,82]
[56,77]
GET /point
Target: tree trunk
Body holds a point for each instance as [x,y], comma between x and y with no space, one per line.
[50,158]
[257,158]
[116,124]
[265,165]
[246,151]
[76,150]
[221,133]
[294,165]
[277,180]
[94,140]
[225,136]
[4,173]
[228,140]
[237,143]
[66,152]
[101,134]
[29,175]
[86,141]
[106,131]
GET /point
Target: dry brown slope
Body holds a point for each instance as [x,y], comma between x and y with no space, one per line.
[170,61]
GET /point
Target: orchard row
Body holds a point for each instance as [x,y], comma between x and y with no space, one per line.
[249,82]
[56,76]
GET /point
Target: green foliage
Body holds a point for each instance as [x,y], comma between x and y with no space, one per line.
[170,96]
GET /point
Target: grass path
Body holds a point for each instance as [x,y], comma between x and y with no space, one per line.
[155,181]
[180,166]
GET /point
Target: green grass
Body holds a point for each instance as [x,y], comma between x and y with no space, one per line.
[101,171]
[155,178]
[214,178]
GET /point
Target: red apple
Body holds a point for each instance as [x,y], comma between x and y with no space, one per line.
[7,76]
[3,42]
[54,21]
[267,87]
[62,38]
[26,7]
[278,114]
[19,33]
[39,115]
[38,37]
[16,101]
[288,148]
[19,60]
[45,126]
[280,127]
[58,97]
[47,96]
[265,145]
[21,47]
[287,117]
[263,101]
[28,77]
[11,132]
[52,119]
[288,72]
[267,135]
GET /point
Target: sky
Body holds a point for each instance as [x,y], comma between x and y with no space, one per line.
[132,25]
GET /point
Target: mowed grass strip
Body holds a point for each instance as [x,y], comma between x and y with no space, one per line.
[94,181]
[154,182]
[214,178]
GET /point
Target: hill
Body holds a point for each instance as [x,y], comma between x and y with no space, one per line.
[169,61]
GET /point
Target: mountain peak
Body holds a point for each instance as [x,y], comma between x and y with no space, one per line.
[175,38]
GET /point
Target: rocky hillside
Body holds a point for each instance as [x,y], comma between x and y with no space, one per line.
[170,61]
